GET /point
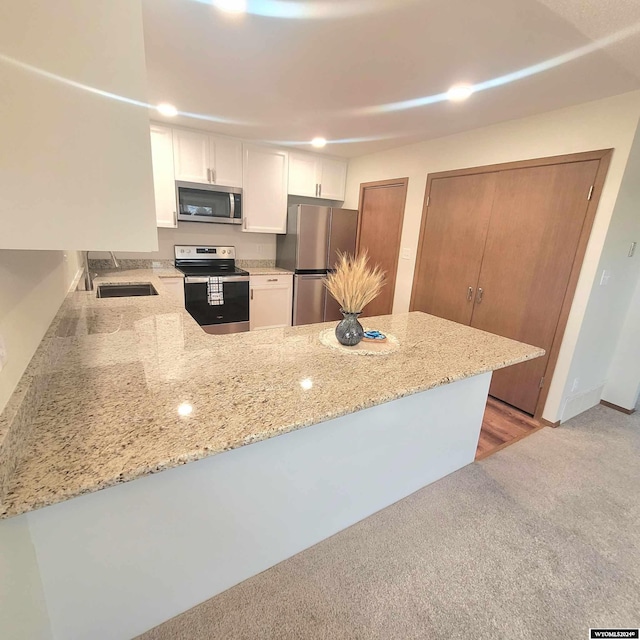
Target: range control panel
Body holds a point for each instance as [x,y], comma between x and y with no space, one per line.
[185,252]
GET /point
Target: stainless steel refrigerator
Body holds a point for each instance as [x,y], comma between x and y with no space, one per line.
[310,249]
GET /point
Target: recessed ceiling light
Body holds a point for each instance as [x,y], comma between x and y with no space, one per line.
[459,92]
[167,109]
[318,143]
[306,384]
[231,6]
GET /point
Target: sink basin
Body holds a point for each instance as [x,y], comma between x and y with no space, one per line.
[125,290]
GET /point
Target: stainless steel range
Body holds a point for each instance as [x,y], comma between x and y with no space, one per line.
[216,292]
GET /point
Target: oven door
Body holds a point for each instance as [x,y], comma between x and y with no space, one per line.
[224,311]
[199,203]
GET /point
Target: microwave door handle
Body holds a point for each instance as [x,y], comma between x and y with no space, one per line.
[232,208]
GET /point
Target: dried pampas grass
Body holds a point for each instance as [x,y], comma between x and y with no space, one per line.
[354,284]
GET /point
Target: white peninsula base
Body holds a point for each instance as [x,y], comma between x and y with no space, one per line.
[117,562]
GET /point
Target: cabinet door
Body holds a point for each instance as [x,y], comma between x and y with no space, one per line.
[191,154]
[270,301]
[333,179]
[226,161]
[265,176]
[305,174]
[536,224]
[454,231]
[163,177]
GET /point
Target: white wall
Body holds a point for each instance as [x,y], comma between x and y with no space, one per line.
[623,383]
[623,379]
[75,167]
[33,285]
[609,123]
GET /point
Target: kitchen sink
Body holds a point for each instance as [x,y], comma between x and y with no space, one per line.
[125,290]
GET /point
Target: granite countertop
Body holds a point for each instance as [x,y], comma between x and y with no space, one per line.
[266,271]
[138,387]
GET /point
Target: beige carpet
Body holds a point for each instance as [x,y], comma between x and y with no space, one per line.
[539,541]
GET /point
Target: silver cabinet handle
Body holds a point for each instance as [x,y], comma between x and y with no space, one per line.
[479,295]
[213,176]
[320,190]
[244,223]
[272,279]
[252,294]
[208,175]
[470,294]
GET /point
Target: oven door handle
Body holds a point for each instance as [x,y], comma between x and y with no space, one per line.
[205,279]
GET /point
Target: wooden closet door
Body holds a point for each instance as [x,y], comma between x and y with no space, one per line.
[379,232]
[533,236]
[454,231]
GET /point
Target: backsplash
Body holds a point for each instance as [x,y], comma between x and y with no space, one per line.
[249,246]
[125,264]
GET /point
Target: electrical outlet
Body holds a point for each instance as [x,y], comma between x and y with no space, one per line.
[576,384]
[3,353]
[406,253]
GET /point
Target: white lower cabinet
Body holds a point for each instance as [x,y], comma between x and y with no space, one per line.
[271,299]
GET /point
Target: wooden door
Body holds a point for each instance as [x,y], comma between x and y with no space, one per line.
[536,223]
[454,230]
[379,231]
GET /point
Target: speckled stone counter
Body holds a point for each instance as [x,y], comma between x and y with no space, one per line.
[266,271]
[138,387]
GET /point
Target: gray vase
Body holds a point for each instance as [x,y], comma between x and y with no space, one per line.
[349,331]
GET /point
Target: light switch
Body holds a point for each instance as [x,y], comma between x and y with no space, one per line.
[604,279]
[405,254]
[3,353]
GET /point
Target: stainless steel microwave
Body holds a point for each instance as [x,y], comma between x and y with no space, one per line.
[208,203]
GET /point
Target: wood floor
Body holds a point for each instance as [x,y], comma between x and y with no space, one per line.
[503,425]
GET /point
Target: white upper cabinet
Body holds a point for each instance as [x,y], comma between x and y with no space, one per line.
[305,173]
[226,155]
[316,176]
[163,176]
[191,156]
[264,203]
[200,157]
[333,179]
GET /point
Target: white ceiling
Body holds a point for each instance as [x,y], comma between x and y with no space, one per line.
[294,79]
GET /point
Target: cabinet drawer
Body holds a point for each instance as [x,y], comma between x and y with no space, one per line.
[272,280]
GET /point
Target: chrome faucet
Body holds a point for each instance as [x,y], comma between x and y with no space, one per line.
[88,276]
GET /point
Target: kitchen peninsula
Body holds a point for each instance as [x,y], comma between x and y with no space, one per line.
[136,387]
